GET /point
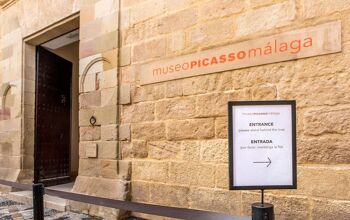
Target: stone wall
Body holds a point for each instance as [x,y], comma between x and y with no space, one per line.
[178,143]
[174,133]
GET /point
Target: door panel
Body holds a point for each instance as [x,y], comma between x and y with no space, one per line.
[52,121]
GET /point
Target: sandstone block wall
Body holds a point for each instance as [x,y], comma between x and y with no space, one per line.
[172,136]
[178,143]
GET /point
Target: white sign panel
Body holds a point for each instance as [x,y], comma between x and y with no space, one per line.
[262,147]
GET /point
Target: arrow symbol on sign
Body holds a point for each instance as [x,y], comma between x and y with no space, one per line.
[268,162]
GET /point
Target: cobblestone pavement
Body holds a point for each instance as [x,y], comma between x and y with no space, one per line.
[10,210]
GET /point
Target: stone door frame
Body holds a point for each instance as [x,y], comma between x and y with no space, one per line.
[28,87]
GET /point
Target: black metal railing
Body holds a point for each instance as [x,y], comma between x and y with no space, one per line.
[181,213]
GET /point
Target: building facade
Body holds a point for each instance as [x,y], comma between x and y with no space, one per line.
[121,135]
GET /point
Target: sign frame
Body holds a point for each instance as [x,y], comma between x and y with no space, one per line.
[232,104]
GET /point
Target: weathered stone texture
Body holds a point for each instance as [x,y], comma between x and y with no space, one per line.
[329,209]
[190,129]
[324,150]
[266,18]
[148,50]
[178,21]
[134,149]
[150,171]
[148,131]
[327,121]
[177,195]
[175,108]
[192,174]
[318,8]
[138,112]
[215,200]
[214,151]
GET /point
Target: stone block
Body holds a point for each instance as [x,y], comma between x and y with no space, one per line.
[190,151]
[328,89]
[148,131]
[178,108]
[265,92]
[87,14]
[310,9]
[330,209]
[146,10]
[215,200]
[89,167]
[109,78]
[214,150]
[140,191]
[111,55]
[138,112]
[173,88]
[109,97]
[107,150]
[327,121]
[176,41]
[109,188]
[324,181]
[148,93]
[91,29]
[221,127]
[134,149]
[210,105]
[212,32]
[105,7]
[125,18]
[99,44]
[107,115]
[91,150]
[199,85]
[192,174]
[222,176]
[148,50]
[323,150]
[125,56]
[150,171]
[115,169]
[90,100]
[190,129]
[266,18]
[161,150]
[84,117]
[175,195]
[125,94]
[124,132]
[109,132]
[220,8]
[91,133]
[128,76]
[178,20]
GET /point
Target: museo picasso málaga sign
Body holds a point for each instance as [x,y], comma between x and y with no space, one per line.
[301,43]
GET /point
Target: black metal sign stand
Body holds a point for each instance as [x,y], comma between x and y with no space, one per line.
[262,211]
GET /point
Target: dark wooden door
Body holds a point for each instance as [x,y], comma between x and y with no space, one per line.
[53,117]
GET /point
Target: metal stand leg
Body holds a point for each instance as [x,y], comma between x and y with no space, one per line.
[262,211]
[38,201]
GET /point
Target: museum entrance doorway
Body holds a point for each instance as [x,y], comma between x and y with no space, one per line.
[56,131]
